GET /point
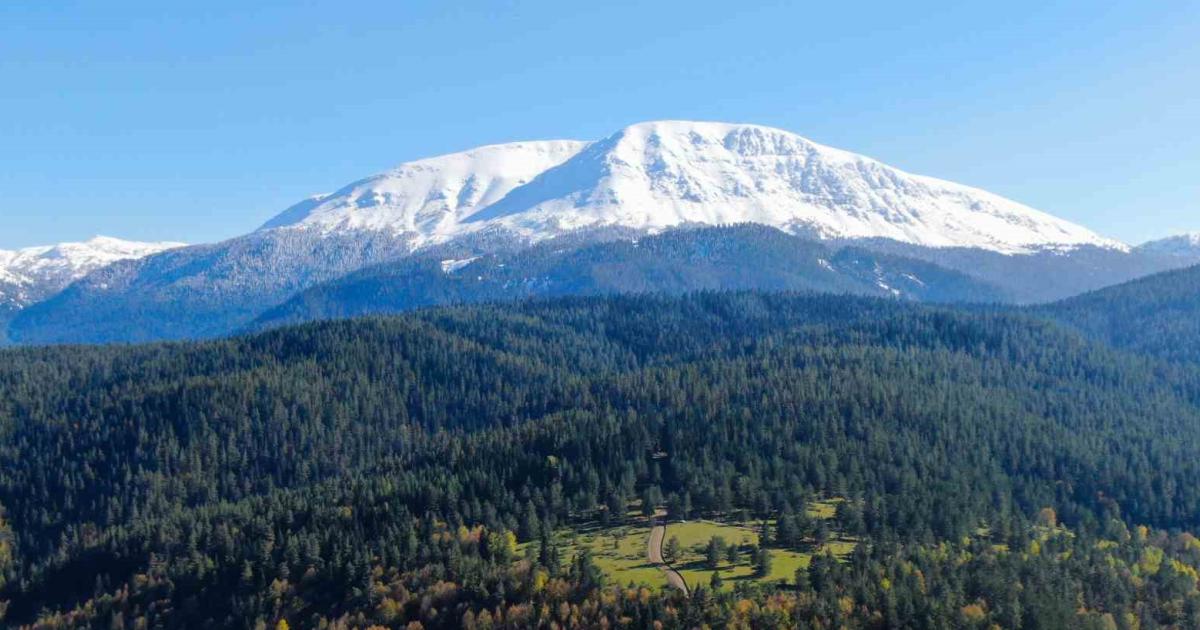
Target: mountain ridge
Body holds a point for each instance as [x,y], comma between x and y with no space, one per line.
[663,174]
[645,180]
[1185,246]
[740,257]
[33,273]
[1157,314]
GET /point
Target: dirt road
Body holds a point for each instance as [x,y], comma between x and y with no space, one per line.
[654,553]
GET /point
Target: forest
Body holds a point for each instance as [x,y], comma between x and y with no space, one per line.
[997,468]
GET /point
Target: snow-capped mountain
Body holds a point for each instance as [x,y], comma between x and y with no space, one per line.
[1186,246]
[430,197]
[33,273]
[500,202]
[658,175]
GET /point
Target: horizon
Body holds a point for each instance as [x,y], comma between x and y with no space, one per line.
[198,124]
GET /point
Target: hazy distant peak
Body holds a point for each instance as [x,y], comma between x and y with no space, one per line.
[30,273]
[1185,245]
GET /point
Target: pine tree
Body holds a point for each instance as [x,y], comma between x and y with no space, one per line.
[671,550]
[732,554]
[716,582]
[762,562]
[714,552]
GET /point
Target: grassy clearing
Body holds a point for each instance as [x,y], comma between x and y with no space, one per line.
[693,566]
[618,551]
[825,508]
[693,539]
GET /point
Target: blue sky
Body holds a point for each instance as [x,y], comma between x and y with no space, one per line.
[168,122]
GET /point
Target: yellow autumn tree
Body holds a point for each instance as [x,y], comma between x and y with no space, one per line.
[973,613]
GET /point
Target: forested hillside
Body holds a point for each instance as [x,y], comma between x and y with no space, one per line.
[738,257]
[995,469]
[7,312]
[1159,314]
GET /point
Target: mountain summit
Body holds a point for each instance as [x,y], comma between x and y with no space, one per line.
[568,217]
[33,273]
[658,175]
[1182,246]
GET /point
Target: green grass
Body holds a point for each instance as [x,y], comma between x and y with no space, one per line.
[620,551]
[825,508]
[693,566]
[693,539]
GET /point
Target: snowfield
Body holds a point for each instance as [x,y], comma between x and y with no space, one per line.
[34,272]
[656,175]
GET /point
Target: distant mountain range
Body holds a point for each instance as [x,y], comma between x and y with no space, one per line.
[662,206]
[1183,246]
[32,274]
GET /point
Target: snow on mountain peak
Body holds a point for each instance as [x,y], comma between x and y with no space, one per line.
[432,195]
[657,175]
[1181,245]
[34,272]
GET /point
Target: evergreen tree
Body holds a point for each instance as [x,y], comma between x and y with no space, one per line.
[762,562]
[716,583]
[714,551]
[671,550]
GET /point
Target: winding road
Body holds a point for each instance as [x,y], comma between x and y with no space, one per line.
[654,554]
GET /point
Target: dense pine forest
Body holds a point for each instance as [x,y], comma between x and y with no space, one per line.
[1158,314]
[996,469]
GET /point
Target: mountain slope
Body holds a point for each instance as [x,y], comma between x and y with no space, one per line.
[665,174]
[1185,247]
[429,197]
[1041,276]
[677,261]
[1159,314]
[640,181]
[199,291]
[31,274]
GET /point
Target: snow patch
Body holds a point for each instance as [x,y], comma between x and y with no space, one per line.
[452,265]
[41,271]
[1181,245]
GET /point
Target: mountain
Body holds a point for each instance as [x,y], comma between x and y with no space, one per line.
[1158,315]
[199,291]
[677,261]
[1045,275]
[1184,247]
[658,175]
[34,273]
[426,200]
[644,180]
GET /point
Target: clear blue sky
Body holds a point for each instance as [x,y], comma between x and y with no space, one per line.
[156,120]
